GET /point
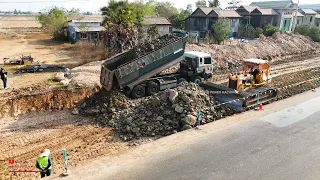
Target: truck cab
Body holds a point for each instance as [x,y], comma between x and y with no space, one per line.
[196,65]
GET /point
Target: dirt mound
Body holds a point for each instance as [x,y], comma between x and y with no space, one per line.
[165,113]
[277,45]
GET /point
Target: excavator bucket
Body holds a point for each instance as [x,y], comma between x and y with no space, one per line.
[239,100]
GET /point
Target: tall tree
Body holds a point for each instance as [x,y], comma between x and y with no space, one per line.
[55,19]
[221,29]
[233,4]
[166,9]
[201,3]
[178,20]
[214,3]
[120,18]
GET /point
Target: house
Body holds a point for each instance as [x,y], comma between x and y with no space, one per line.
[201,20]
[299,18]
[286,10]
[162,23]
[257,17]
[309,16]
[84,30]
[317,21]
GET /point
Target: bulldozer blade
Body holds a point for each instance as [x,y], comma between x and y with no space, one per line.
[239,100]
[224,95]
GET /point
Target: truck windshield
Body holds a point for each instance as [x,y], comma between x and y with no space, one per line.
[207,60]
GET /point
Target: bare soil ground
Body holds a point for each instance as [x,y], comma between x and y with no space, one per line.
[22,139]
[42,48]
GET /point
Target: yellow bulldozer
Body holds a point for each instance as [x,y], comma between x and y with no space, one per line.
[245,88]
[255,72]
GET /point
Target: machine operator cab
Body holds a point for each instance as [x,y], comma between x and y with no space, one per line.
[199,63]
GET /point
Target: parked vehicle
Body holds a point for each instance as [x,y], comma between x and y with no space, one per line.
[22,60]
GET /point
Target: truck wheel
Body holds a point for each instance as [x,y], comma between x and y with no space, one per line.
[180,80]
[152,88]
[127,92]
[138,92]
[196,79]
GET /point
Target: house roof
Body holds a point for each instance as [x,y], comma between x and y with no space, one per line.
[90,28]
[308,11]
[249,8]
[273,4]
[268,11]
[86,21]
[256,61]
[299,14]
[149,20]
[196,54]
[227,13]
[207,10]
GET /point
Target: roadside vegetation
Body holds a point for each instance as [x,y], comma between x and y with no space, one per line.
[308,30]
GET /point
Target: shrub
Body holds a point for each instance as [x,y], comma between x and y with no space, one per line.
[269,30]
[303,29]
[307,30]
[314,33]
[221,29]
[259,31]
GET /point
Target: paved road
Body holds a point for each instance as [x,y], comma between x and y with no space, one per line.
[281,142]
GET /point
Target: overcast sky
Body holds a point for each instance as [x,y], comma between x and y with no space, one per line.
[94,5]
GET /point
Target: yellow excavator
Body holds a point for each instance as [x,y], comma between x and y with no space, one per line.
[244,88]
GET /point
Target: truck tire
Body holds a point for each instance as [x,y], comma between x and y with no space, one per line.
[180,80]
[152,88]
[138,91]
[196,79]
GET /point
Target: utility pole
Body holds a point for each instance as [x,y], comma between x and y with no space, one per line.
[295,17]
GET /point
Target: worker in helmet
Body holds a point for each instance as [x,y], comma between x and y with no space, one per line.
[44,163]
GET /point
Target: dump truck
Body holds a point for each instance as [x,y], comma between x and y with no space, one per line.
[22,60]
[137,72]
[243,88]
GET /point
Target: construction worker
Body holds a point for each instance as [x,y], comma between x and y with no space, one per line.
[44,163]
[3,75]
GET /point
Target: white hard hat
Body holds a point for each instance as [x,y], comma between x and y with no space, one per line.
[45,152]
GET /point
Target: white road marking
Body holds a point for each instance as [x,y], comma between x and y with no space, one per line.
[293,114]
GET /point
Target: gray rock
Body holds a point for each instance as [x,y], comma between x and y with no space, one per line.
[75,111]
[164,96]
[194,95]
[155,101]
[149,113]
[112,110]
[186,127]
[111,123]
[179,109]
[223,111]
[159,118]
[186,91]
[189,120]
[173,95]
[83,105]
[129,120]
[185,98]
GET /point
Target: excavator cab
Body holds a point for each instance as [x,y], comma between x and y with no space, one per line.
[255,72]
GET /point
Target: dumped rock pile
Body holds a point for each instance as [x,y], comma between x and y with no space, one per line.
[145,48]
[163,114]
